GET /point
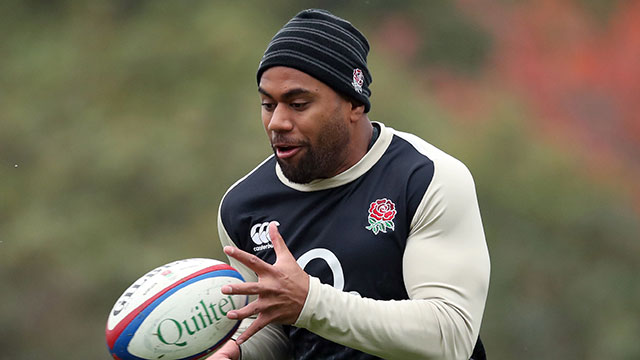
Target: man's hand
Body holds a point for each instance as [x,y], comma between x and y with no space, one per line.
[281,288]
[229,351]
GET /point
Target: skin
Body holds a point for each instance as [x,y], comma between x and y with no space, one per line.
[315,133]
[312,129]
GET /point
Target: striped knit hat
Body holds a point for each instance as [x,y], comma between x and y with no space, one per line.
[326,47]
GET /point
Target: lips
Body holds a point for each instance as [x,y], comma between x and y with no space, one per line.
[286,146]
[285,151]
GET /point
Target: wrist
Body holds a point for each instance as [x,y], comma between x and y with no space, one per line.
[239,349]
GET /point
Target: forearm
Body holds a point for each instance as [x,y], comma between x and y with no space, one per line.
[446,274]
[406,329]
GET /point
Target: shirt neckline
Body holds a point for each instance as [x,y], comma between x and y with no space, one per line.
[358,169]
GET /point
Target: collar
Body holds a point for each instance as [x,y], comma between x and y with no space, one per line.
[372,156]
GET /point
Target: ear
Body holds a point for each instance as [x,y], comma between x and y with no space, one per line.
[357,110]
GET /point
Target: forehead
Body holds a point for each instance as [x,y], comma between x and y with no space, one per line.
[279,80]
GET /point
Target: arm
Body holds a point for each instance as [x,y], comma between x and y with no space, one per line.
[446,273]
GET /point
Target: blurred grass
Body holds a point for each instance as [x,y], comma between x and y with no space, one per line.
[128,121]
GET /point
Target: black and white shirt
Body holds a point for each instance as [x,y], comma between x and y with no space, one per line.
[394,245]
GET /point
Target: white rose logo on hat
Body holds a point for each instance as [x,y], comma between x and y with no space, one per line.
[358,80]
[381,215]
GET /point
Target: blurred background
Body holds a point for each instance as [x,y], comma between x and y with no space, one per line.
[123,122]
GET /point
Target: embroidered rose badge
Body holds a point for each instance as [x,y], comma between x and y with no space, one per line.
[381,215]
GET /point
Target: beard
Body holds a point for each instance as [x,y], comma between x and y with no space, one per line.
[322,159]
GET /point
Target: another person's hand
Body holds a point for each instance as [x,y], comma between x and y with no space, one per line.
[229,351]
[281,288]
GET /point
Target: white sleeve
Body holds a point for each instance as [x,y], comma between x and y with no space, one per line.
[446,274]
[270,343]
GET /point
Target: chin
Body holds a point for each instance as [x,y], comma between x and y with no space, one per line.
[296,174]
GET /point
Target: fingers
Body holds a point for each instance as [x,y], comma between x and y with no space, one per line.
[255,326]
[279,245]
[255,263]
[282,288]
[260,322]
[244,312]
[250,288]
[251,261]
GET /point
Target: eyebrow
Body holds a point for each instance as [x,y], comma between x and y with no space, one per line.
[288,95]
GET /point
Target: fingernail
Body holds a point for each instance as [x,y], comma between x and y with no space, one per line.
[226,289]
[228,249]
[232,315]
[239,341]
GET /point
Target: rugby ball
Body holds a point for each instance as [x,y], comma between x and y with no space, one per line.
[175,311]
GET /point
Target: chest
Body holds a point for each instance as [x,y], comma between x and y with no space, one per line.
[351,237]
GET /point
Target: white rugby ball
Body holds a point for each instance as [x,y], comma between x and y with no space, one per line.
[175,311]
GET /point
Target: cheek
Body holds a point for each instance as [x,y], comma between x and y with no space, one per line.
[266,118]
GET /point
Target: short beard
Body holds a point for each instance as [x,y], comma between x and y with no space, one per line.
[323,159]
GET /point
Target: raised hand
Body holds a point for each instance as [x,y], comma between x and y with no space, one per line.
[281,288]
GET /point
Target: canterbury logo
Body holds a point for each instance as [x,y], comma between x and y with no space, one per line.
[260,236]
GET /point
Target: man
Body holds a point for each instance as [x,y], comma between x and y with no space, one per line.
[357,241]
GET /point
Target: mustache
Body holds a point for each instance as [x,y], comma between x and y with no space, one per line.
[282,139]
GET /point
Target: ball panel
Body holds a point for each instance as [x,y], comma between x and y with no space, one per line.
[113,333]
[153,282]
[189,279]
[189,319]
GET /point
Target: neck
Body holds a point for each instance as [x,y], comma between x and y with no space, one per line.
[360,140]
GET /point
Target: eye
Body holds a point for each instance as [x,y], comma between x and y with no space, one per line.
[268,106]
[299,105]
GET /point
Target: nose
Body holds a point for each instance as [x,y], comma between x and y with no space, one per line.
[280,120]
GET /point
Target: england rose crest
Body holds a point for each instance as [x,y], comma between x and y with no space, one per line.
[381,215]
[358,80]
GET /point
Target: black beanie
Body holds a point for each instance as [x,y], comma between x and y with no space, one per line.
[326,47]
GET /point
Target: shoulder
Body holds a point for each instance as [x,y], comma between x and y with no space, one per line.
[405,154]
[436,180]
[430,162]
[451,194]
[412,149]
[426,149]
[445,166]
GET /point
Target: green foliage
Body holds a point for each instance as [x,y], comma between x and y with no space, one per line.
[128,120]
[564,252]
